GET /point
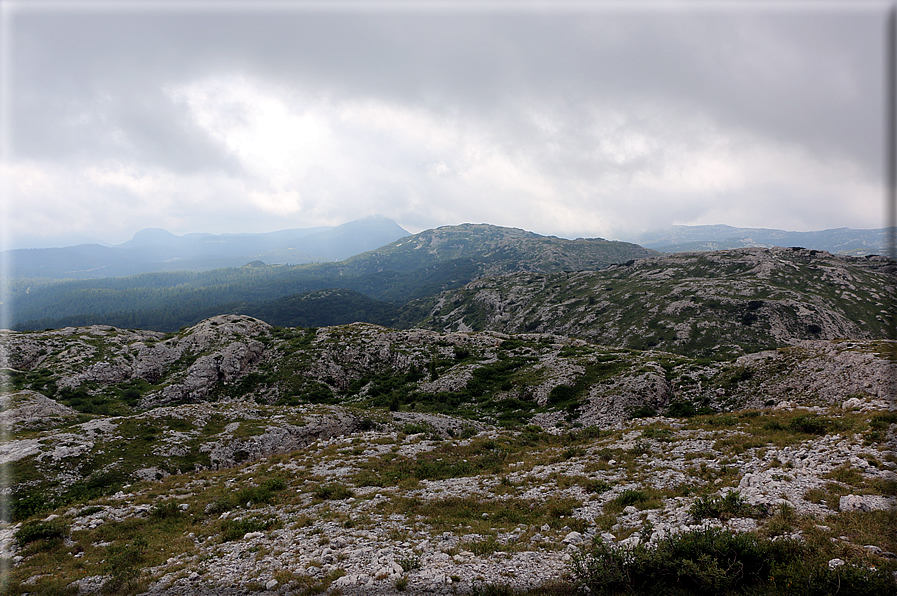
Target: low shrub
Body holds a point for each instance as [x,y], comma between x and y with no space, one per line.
[720,507]
[235,529]
[414,428]
[659,434]
[642,412]
[595,485]
[485,547]
[335,492]
[629,497]
[810,424]
[681,409]
[410,563]
[123,565]
[715,561]
[165,510]
[41,530]
[263,493]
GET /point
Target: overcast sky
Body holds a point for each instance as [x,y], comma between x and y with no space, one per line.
[590,119]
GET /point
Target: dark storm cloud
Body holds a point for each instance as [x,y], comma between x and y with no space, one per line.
[813,78]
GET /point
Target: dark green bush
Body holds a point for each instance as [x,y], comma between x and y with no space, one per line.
[812,424]
[720,507]
[719,562]
[27,504]
[220,506]
[263,493]
[41,530]
[561,394]
[165,510]
[630,497]
[659,434]
[643,412]
[335,492]
[595,485]
[414,428]
[681,409]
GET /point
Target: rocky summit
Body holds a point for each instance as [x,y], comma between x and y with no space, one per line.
[234,457]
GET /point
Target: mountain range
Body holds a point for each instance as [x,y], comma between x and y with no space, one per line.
[155,249]
[412,267]
[721,237]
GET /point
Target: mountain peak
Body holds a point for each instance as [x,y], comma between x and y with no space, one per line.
[149,236]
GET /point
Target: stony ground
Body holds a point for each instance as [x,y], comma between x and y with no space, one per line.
[405,508]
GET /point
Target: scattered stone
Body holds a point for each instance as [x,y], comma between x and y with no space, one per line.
[865,503]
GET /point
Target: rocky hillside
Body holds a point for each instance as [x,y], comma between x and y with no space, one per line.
[489,376]
[484,378]
[496,249]
[723,303]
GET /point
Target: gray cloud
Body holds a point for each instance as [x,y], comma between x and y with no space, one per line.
[573,122]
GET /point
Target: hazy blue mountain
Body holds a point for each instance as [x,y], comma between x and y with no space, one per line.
[722,237]
[155,249]
[414,267]
[20,241]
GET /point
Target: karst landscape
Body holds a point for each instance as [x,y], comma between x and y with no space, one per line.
[468,410]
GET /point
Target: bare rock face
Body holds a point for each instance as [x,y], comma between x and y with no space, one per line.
[866,503]
[222,366]
[228,450]
[613,404]
[29,409]
[816,372]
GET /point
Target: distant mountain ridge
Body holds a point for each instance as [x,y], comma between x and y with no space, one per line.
[414,267]
[155,249]
[722,237]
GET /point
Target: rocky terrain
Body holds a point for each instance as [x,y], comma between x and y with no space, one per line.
[235,457]
[497,249]
[401,508]
[724,302]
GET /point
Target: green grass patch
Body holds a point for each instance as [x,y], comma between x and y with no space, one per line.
[235,529]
